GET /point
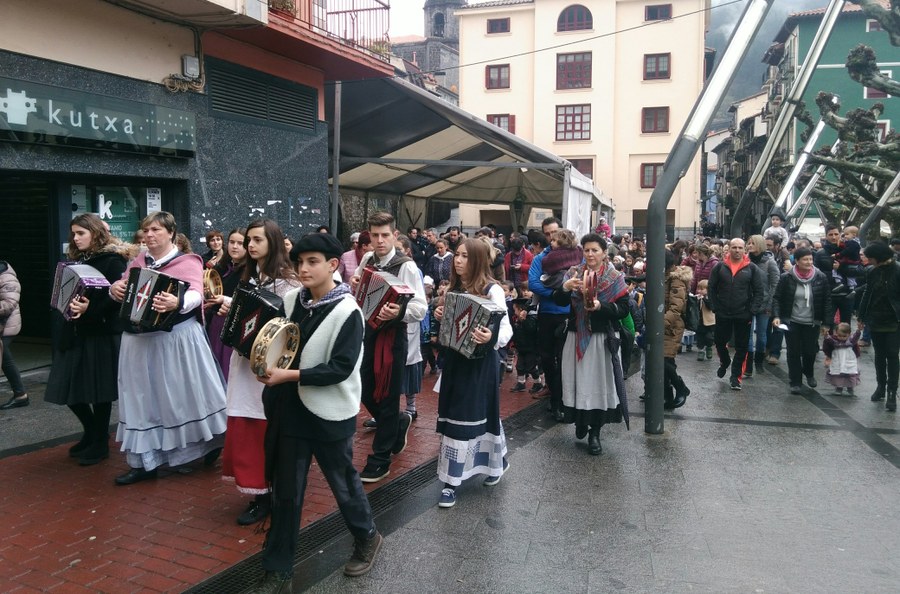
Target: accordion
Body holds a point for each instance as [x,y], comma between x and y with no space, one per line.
[463,313]
[251,308]
[74,280]
[143,284]
[378,288]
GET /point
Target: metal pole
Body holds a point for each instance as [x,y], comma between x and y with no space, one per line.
[786,115]
[674,169]
[336,159]
[875,213]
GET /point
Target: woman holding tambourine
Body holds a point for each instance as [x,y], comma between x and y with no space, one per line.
[243,461]
[86,348]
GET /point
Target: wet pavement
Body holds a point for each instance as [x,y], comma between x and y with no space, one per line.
[750,491]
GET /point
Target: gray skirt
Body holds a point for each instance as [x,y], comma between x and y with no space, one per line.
[171,397]
[588,384]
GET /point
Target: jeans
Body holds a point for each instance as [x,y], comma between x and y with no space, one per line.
[760,324]
[335,459]
[802,342]
[9,368]
[887,358]
[774,339]
[550,348]
[725,328]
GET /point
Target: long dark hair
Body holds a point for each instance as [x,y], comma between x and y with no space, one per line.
[277,263]
[478,264]
[100,236]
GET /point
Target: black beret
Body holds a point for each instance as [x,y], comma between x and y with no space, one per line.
[325,243]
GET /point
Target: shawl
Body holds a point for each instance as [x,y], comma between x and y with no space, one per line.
[610,286]
[560,259]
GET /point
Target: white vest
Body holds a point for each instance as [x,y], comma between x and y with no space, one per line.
[336,402]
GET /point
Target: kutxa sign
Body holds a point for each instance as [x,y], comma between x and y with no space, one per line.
[42,114]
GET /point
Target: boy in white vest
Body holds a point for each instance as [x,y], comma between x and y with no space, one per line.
[311,409]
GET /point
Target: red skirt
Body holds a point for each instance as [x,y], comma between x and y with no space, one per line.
[244,457]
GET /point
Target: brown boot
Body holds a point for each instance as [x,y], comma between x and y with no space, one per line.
[364,553]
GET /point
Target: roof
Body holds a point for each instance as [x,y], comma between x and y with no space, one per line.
[793,17]
[494,3]
[438,151]
[407,39]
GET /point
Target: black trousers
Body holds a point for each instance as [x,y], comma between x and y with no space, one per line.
[802,342]
[550,348]
[887,358]
[725,328]
[387,411]
[335,459]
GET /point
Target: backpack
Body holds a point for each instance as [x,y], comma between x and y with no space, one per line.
[691,313]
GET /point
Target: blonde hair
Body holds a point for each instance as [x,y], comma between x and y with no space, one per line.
[758,242]
[852,230]
[703,284]
[564,238]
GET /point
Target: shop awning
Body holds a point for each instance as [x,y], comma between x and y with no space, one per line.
[399,140]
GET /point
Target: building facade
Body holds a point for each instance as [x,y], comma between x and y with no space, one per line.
[204,109]
[606,85]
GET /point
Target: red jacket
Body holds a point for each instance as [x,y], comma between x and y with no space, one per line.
[518,277]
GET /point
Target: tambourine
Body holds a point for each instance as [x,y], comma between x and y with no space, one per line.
[589,285]
[212,284]
[276,345]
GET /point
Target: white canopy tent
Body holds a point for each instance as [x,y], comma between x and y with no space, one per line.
[400,141]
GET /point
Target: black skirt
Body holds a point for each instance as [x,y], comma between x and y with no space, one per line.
[86,372]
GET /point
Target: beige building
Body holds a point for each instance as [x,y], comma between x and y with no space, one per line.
[529,68]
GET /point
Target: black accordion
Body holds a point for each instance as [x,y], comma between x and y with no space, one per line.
[137,308]
[463,313]
[251,308]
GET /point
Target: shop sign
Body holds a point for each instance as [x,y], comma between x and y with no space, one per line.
[42,114]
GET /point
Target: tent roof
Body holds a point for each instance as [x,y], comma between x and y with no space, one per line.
[398,139]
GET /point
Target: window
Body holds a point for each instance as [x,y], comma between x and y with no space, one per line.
[870,93]
[573,122]
[503,120]
[656,66]
[658,12]
[573,71]
[497,26]
[882,128]
[650,173]
[496,76]
[872,25]
[575,18]
[437,29]
[655,119]
[584,166]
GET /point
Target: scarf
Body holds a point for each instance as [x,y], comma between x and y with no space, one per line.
[610,286]
[306,301]
[805,279]
[560,259]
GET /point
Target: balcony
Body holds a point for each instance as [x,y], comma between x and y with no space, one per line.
[360,24]
[205,13]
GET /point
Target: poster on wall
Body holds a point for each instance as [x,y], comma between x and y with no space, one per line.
[154,200]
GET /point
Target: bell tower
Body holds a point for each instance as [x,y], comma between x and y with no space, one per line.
[440,22]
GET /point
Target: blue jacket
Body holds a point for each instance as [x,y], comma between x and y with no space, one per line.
[546,303]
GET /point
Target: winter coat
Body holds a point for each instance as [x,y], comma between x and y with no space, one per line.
[876,278]
[676,284]
[783,303]
[702,271]
[518,277]
[766,263]
[10,292]
[737,295]
[823,259]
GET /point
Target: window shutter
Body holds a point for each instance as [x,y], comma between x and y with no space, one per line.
[512,124]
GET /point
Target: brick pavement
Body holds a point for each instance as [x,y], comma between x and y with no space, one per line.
[70,529]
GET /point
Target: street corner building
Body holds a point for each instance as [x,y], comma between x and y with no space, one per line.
[211,109]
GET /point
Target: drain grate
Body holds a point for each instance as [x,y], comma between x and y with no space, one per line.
[318,535]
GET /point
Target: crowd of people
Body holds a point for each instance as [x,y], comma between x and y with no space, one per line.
[574,323]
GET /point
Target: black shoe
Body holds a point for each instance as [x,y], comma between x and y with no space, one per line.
[370,424]
[536,387]
[364,553]
[373,474]
[94,454]
[811,381]
[796,390]
[402,433]
[735,383]
[135,475]
[680,398]
[878,394]
[722,370]
[79,447]
[581,431]
[669,405]
[15,402]
[414,414]
[211,456]
[258,509]
[519,387]
[890,404]
[594,447]
[274,583]
[559,416]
